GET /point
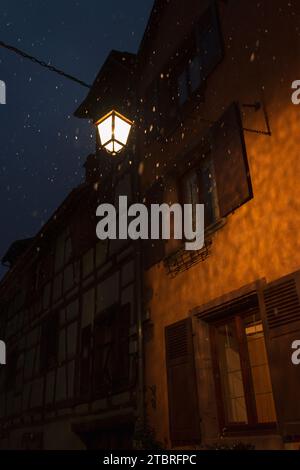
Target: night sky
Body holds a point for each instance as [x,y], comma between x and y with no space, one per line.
[43,147]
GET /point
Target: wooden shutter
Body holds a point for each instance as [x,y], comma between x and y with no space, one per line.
[182,390]
[280,308]
[154,250]
[230,162]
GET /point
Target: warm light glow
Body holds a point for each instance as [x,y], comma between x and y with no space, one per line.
[104,129]
[122,129]
[113,130]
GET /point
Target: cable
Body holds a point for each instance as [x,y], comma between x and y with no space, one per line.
[43,64]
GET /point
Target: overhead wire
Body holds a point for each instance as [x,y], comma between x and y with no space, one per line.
[44,64]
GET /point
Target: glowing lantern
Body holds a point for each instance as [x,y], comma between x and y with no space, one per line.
[113,130]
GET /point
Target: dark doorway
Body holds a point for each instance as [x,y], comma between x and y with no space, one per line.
[114,438]
[114,434]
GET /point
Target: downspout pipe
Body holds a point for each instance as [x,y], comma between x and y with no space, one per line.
[139,295]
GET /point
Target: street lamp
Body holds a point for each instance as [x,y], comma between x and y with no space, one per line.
[113,130]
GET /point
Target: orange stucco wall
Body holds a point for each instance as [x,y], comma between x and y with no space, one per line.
[261,239]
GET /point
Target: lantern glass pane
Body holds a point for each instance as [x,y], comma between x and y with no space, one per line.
[122,129]
[105,130]
[109,147]
[117,147]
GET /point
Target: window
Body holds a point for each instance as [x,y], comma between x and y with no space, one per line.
[49,342]
[11,370]
[168,107]
[111,349]
[183,77]
[189,80]
[242,374]
[182,84]
[32,441]
[85,360]
[209,42]
[151,112]
[45,268]
[205,52]
[199,187]
[154,250]
[63,252]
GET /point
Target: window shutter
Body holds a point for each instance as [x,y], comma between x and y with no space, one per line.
[154,250]
[280,309]
[182,389]
[230,162]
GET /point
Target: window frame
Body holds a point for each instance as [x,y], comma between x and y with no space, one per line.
[192,49]
[197,166]
[49,344]
[109,350]
[188,52]
[253,424]
[164,123]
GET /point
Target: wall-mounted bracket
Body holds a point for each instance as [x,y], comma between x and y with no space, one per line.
[257,106]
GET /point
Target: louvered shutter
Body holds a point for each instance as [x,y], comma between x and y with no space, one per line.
[154,250]
[280,309]
[230,162]
[182,390]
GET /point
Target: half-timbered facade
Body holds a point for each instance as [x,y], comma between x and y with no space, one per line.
[69,320]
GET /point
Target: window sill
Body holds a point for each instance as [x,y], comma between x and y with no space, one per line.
[248,430]
[181,260]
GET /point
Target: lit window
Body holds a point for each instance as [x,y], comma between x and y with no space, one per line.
[242,372]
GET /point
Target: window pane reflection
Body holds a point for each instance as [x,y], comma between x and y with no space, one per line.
[260,370]
[231,374]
